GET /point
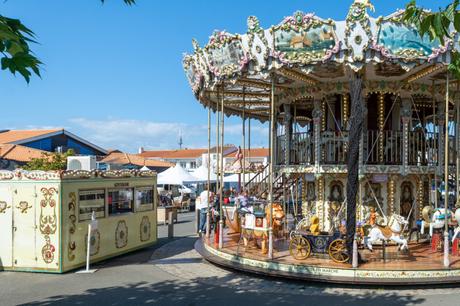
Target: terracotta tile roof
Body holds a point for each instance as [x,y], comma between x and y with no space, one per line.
[117,157]
[254,152]
[19,135]
[174,154]
[19,153]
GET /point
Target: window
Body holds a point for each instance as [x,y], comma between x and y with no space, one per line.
[120,201]
[144,199]
[193,165]
[89,201]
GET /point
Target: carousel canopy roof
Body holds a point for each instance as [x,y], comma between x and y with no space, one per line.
[305,57]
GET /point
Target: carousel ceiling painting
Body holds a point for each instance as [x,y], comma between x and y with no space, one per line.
[307,56]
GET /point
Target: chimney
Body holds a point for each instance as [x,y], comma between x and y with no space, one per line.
[141,150]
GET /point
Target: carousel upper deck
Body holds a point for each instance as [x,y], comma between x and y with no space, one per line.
[297,74]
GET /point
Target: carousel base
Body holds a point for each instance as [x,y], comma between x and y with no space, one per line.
[420,266]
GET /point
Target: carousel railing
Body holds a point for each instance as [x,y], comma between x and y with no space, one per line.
[259,182]
[334,147]
[383,147]
[301,149]
[422,149]
[281,150]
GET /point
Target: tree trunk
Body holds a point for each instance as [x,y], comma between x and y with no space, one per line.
[356,128]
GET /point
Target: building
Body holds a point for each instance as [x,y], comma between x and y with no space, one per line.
[117,160]
[55,140]
[254,156]
[189,159]
[14,156]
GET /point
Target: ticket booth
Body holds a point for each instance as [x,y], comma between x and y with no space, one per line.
[44,217]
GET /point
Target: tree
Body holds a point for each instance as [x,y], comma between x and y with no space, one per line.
[50,161]
[16,55]
[437,25]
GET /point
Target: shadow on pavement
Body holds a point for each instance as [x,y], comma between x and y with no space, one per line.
[194,293]
[145,255]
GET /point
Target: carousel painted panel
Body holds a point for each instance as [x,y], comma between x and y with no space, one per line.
[125,210]
[226,56]
[304,38]
[399,40]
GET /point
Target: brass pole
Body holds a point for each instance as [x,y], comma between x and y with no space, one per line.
[434,139]
[216,151]
[271,167]
[244,140]
[208,214]
[222,169]
[446,178]
[457,175]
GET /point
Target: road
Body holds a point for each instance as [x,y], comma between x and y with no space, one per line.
[172,273]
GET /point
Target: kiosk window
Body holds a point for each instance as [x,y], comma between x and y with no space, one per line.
[120,201]
[89,201]
[144,199]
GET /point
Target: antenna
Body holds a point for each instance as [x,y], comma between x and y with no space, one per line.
[180,140]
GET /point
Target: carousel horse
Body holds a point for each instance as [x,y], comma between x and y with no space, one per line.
[434,219]
[249,231]
[391,232]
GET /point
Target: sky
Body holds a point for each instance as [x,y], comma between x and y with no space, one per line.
[113,74]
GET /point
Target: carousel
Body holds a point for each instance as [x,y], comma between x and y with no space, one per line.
[363,117]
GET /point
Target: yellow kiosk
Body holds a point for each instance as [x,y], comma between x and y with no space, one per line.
[44,217]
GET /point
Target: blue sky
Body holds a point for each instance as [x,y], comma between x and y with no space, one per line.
[113,73]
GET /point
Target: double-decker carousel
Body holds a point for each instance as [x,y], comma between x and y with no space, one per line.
[361,184]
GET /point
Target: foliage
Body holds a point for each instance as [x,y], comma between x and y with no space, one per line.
[14,46]
[50,161]
[437,25]
[16,55]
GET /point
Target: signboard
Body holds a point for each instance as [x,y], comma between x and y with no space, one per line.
[379,178]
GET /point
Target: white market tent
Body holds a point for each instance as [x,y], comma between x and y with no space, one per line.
[234,178]
[176,176]
[201,173]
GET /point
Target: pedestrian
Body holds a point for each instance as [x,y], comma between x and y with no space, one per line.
[203,204]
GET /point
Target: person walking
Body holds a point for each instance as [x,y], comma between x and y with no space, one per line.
[205,195]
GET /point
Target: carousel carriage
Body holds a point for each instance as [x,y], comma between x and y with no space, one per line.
[303,244]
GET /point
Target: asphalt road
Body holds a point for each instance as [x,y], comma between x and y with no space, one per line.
[172,273]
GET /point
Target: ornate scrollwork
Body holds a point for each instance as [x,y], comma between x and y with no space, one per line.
[48,251]
[23,206]
[145,228]
[3,207]
[48,221]
[121,234]
[72,226]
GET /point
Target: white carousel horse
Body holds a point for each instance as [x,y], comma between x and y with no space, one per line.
[434,219]
[391,232]
[457,230]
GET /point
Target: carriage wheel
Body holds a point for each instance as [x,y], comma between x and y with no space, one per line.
[338,251]
[300,248]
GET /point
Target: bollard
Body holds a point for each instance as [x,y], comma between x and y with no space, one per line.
[170,225]
[197,220]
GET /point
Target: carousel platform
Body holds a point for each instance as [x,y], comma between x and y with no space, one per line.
[419,266]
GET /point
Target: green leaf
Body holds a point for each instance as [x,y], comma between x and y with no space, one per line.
[457,21]
[425,25]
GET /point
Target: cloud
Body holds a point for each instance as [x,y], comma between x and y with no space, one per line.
[130,134]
